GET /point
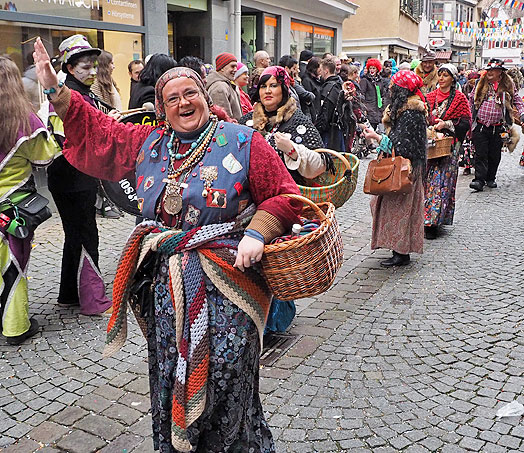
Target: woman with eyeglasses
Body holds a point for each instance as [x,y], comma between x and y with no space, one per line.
[211,192]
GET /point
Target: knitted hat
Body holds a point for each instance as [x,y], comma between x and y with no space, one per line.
[306,55]
[75,46]
[473,75]
[223,59]
[241,69]
[374,62]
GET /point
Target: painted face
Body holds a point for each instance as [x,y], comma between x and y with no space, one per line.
[270,94]
[229,70]
[242,80]
[427,66]
[186,107]
[372,70]
[136,69]
[84,70]
[444,80]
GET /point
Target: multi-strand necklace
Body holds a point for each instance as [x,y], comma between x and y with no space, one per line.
[173,194]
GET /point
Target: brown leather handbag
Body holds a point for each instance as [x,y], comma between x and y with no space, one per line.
[389,175]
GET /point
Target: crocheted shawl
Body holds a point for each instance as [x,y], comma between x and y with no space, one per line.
[208,250]
[457,105]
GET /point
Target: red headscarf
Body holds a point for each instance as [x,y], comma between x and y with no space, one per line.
[409,80]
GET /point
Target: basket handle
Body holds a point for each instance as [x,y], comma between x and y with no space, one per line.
[334,153]
[307,201]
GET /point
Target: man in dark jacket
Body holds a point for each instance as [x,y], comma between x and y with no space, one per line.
[304,58]
[326,121]
[303,97]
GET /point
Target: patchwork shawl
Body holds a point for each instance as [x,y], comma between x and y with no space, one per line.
[208,250]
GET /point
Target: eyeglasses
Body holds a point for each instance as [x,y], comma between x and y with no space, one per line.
[189,95]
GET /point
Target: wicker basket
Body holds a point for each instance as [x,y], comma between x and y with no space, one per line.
[305,266]
[337,188]
[441,148]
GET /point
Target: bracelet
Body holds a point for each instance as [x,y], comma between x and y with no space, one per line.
[52,90]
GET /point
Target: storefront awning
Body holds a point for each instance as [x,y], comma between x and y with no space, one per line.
[444,55]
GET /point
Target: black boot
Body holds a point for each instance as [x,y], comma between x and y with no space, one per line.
[431,232]
[477,185]
[396,260]
[19,339]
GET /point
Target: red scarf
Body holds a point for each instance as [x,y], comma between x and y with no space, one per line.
[458,109]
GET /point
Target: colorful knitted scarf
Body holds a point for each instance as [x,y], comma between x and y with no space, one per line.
[209,250]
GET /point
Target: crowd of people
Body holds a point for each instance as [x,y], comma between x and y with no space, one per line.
[210,180]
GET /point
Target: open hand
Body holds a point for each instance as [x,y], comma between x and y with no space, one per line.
[370,134]
[439,124]
[250,251]
[44,70]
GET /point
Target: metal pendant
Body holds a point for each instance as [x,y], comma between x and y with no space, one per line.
[173,203]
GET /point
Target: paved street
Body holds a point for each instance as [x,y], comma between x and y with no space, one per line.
[414,359]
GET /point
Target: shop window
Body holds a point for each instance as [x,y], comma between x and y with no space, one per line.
[18,40]
[248,39]
[128,12]
[312,37]
[270,36]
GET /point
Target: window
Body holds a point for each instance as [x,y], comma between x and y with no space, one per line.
[437,11]
[270,36]
[411,7]
[312,37]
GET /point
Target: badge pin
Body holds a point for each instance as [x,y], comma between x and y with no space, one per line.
[301,129]
[140,158]
[208,173]
[242,204]
[192,215]
[140,203]
[217,198]
[298,140]
[150,180]
[231,164]
[139,181]
[241,140]
[221,140]
[249,123]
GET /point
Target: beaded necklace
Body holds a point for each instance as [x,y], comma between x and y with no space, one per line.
[173,194]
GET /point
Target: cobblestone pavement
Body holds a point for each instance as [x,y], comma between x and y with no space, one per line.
[412,359]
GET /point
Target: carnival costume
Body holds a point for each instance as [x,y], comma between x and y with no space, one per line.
[32,147]
[75,195]
[205,318]
[441,173]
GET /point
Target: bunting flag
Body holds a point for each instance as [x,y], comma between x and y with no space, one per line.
[495,30]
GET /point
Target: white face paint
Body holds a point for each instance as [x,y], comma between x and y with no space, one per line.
[84,70]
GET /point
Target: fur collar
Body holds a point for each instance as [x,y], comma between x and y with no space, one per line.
[413,103]
[505,85]
[430,80]
[284,113]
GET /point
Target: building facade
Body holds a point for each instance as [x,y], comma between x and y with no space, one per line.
[458,48]
[131,29]
[379,32]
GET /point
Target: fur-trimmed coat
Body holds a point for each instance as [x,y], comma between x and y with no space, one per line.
[304,135]
[408,132]
[430,80]
[505,86]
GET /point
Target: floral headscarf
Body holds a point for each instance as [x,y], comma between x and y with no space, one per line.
[171,74]
[282,78]
[410,81]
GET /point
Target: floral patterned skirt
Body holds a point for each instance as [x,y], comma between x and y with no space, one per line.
[233,419]
[440,187]
[398,220]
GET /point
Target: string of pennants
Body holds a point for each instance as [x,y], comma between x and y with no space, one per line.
[514,4]
[494,30]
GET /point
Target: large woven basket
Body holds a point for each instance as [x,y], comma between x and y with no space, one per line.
[305,266]
[337,188]
[441,148]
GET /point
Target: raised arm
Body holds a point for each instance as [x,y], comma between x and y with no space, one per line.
[95,143]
